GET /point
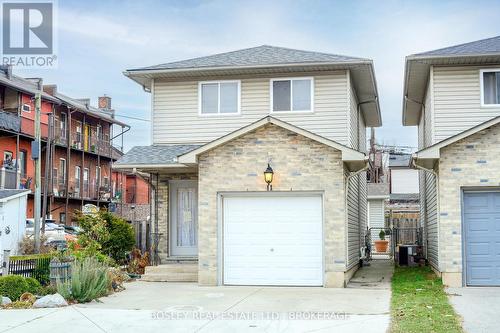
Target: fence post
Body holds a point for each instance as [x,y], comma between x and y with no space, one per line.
[6,262]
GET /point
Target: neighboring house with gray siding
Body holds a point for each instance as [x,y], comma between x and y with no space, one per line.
[217,123]
[453,96]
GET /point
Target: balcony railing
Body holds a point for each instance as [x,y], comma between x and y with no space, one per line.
[8,178]
[91,144]
[10,121]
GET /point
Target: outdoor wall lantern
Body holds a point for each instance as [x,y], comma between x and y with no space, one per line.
[268,177]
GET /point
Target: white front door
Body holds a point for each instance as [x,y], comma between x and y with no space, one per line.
[183,218]
[273,239]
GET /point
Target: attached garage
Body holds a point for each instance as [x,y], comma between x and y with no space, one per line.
[272,239]
[482,238]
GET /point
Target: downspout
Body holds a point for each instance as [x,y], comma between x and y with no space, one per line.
[436,177]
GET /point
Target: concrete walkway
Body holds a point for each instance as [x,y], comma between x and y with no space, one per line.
[187,307]
[375,276]
[479,307]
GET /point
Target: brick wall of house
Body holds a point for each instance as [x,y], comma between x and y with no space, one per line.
[471,162]
[299,163]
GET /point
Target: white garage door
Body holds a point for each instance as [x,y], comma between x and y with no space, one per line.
[273,240]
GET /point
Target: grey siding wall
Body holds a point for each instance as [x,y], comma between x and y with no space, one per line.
[376,213]
[457,100]
[357,188]
[176,118]
[427,181]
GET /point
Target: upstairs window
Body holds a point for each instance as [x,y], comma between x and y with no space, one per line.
[219,98]
[292,95]
[490,87]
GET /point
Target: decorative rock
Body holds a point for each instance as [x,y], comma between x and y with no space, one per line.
[50,301]
[6,300]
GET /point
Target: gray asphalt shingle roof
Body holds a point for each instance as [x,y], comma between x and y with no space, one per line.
[8,193]
[483,46]
[255,56]
[155,154]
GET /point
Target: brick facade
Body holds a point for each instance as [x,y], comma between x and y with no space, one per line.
[469,163]
[300,164]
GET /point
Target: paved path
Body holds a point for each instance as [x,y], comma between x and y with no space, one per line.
[186,307]
[478,307]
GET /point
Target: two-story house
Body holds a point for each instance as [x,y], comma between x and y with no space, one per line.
[258,165]
[453,96]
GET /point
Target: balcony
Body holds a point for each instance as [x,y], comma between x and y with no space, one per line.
[8,178]
[91,144]
[10,121]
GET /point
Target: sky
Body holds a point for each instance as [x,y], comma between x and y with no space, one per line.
[98,40]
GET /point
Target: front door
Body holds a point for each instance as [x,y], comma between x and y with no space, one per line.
[184,218]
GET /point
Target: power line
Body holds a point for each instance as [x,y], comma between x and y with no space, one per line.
[135,118]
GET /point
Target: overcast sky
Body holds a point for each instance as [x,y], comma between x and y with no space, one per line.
[97,40]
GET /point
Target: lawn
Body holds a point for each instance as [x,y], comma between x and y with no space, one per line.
[419,303]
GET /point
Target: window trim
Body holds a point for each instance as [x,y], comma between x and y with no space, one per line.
[481,83]
[271,95]
[29,108]
[219,114]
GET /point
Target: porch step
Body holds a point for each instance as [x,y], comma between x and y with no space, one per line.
[172,272]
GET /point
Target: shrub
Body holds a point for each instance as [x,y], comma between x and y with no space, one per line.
[381,235]
[121,237]
[89,280]
[13,286]
[34,285]
[105,233]
[27,245]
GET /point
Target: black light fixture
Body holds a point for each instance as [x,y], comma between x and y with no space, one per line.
[268,177]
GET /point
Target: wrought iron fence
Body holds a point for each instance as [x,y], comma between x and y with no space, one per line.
[35,266]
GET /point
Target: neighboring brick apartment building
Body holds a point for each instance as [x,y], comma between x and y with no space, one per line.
[131,194]
[81,154]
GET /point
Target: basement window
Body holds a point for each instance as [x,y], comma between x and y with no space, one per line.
[292,95]
[219,97]
[490,87]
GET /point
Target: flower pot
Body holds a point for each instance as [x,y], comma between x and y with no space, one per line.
[381,245]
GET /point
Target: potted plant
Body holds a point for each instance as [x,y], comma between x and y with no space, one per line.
[382,244]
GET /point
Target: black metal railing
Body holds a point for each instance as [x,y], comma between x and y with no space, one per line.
[35,266]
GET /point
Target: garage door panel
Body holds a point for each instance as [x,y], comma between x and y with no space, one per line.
[281,245]
[482,238]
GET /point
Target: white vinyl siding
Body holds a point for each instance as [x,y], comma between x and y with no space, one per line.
[354,227]
[457,101]
[431,218]
[353,126]
[404,180]
[176,118]
[376,213]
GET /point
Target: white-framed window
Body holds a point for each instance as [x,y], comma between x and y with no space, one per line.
[62,171]
[490,87]
[26,107]
[219,98]
[292,94]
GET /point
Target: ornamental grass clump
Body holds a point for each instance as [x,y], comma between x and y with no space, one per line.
[89,280]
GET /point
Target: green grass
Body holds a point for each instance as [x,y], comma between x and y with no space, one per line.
[419,303]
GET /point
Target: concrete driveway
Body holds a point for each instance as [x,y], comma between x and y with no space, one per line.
[186,307]
[479,307]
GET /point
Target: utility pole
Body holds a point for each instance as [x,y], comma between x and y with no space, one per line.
[48,159]
[36,151]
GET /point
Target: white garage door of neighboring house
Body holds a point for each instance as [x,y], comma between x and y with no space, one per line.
[273,240]
[482,238]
